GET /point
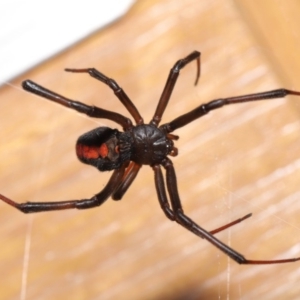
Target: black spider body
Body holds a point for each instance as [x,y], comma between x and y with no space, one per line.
[107,148]
[104,148]
[150,145]
[141,144]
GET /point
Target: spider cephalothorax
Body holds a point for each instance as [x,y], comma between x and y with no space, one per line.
[141,144]
[150,145]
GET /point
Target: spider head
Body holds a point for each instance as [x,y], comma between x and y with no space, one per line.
[104,148]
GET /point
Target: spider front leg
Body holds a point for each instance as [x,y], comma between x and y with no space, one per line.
[178,215]
[119,92]
[97,200]
[91,111]
[204,109]
[171,81]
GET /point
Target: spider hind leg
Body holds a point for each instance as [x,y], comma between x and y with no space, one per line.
[175,213]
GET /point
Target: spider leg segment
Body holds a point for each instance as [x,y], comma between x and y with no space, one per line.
[171,81]
[119,92]
[175,213]
[163,200]
[230,224]
[92,111]
[32,207]
[203,109]
[128,177]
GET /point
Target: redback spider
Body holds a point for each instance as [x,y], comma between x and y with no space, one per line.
[141,144]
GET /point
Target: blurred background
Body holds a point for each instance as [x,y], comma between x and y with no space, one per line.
[237,160]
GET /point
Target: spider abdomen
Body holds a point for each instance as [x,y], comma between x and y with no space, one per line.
[99,148]
[150,145]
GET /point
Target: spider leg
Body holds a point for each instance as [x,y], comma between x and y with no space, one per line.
[164,204]
[128,177]
[189,224]
[171,81]
[230,224]
[91,111]
[119,92]
[203,109]
[97,200]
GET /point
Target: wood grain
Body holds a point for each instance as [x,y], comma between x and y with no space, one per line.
[237,160]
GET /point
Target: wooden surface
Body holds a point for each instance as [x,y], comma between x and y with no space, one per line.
[237,160]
